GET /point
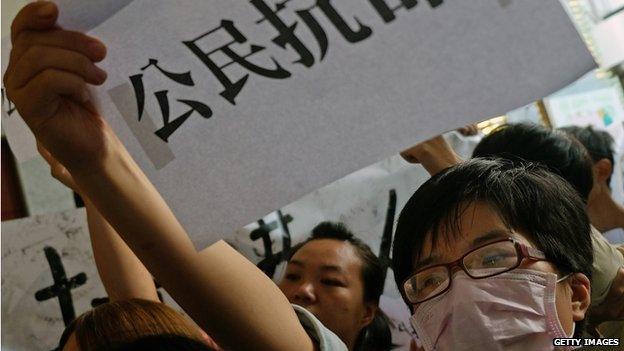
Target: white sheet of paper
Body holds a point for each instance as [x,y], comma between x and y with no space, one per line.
[425,71]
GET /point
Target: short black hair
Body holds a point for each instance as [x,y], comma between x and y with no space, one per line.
[526,196]
[558,151]
[598,143]
[377,335]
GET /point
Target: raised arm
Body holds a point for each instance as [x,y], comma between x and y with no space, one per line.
[434,155]
[123,275]
[223,292]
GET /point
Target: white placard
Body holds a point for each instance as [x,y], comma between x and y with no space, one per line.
[350,84]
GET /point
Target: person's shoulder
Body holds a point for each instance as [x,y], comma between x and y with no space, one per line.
[320,334]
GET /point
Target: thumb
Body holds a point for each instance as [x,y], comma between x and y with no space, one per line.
[38,15]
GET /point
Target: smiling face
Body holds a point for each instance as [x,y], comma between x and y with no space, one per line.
[479,224]
[325,277]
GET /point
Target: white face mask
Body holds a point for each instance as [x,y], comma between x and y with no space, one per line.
[512,311]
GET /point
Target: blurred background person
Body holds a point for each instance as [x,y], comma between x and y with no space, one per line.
[338,278]
[605,213]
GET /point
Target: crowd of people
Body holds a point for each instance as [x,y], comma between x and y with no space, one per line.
[504,251]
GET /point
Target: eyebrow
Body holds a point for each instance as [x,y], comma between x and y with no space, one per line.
[490,236]
[325,267]
[426,262]
[487,237]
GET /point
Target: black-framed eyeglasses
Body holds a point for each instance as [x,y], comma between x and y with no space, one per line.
[484,261]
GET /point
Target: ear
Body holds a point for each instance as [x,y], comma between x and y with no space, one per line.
[370,310]
[603,169]
[581,296]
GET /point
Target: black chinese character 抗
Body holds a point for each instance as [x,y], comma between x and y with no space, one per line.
[286,33]
[387,13]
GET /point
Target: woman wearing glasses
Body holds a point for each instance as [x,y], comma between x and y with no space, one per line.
[491,256]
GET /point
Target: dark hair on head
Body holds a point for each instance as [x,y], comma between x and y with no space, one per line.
[163,343]
[377,334]
[527,198]
[598,143]
[554,149]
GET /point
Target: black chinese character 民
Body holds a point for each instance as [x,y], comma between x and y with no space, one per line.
[233,88]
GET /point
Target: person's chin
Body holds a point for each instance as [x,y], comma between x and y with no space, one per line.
[315,311]
[312,310]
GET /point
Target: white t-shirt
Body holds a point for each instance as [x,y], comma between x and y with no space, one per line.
[324,338]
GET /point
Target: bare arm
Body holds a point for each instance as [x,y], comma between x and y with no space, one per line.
[122,274]
[223,292]
[434,155]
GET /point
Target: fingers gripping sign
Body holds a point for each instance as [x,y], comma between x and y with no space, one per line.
[35,16]
[47,77]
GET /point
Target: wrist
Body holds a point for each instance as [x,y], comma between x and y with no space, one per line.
[109,150]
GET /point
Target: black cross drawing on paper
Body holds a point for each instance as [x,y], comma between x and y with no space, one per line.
[62,286]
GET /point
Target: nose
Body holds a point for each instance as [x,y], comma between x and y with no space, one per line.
[456,269]
[304,294]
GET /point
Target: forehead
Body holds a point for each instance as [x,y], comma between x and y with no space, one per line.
[328,252]
[477,223]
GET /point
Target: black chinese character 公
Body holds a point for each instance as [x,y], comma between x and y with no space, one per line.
[184,78]
[169,127]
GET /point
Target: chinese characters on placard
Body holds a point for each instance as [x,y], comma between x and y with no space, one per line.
[241,52]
